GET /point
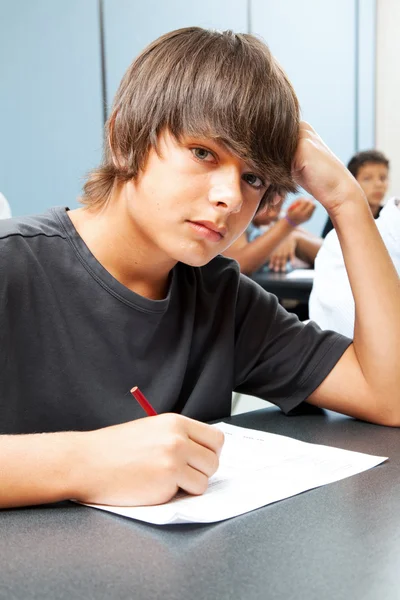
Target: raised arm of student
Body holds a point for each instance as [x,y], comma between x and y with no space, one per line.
[365,383]
[136,463]
[253,255]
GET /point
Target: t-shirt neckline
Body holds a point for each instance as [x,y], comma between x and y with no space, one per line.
[104,277]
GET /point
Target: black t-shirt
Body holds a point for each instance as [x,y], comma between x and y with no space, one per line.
[73,340]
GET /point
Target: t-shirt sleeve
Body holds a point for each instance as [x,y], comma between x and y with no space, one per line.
[277,357]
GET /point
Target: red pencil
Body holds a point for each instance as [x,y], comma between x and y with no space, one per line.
[144,403]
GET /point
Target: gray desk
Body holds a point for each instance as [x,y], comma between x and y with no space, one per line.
[284,288]
[341,541]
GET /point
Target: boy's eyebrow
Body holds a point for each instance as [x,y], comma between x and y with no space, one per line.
[204,141]
[220,144]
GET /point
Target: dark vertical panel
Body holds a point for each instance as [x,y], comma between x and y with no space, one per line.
[103,60]
[249,12]
[356,73]
[366,76]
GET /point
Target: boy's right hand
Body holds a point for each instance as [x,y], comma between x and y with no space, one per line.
[146,461]
[300,210]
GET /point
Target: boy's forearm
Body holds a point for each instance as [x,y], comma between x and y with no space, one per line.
[307,246]
[255,254]
[376,290]
[38,468]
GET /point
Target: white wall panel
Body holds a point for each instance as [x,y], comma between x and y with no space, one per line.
[388,87]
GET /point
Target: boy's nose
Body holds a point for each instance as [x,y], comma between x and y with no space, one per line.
[226,196]
[379,183]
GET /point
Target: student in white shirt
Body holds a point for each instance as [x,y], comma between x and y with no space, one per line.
[5,210]
[331,301]
[371,169]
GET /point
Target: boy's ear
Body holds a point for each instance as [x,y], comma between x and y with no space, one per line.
[272,197]
[277,199]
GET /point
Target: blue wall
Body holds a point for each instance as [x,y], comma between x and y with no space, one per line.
[51,103]
[130,26]
[319,61]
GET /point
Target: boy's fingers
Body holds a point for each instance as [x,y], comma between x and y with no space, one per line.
[206,435]
[305,125]
[202,459]
[306,130]
[280,264]
[192,481]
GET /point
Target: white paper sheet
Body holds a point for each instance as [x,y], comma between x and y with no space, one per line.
[301,274]
[256,468]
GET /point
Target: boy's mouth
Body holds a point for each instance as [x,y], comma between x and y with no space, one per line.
[208,230]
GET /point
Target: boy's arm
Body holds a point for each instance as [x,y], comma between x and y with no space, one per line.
[365,383]
[299,244]
[251,256]
[307,246]
[137,463]
[38,468]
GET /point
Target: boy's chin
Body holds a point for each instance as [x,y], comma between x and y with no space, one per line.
[375,201]
[196,263]
[193,260]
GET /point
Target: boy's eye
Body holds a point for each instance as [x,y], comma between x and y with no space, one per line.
[201,153]
[253,180]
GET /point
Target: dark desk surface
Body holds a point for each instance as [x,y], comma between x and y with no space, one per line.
[284,288]
[340,541]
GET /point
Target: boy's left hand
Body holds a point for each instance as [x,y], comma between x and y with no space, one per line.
[320,172]
[284,253]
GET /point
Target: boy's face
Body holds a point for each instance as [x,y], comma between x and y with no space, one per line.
[374,180]
[192,200]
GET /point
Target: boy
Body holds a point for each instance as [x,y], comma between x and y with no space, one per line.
[129,290]
[371,169]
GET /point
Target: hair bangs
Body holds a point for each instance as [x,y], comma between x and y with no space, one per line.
[226,93]
[215,85]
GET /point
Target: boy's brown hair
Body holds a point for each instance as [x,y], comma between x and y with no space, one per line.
[218,85]
[365,157]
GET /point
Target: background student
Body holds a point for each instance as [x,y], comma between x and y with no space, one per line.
[371,169]
[274,239]
[331,302]
[5,210]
